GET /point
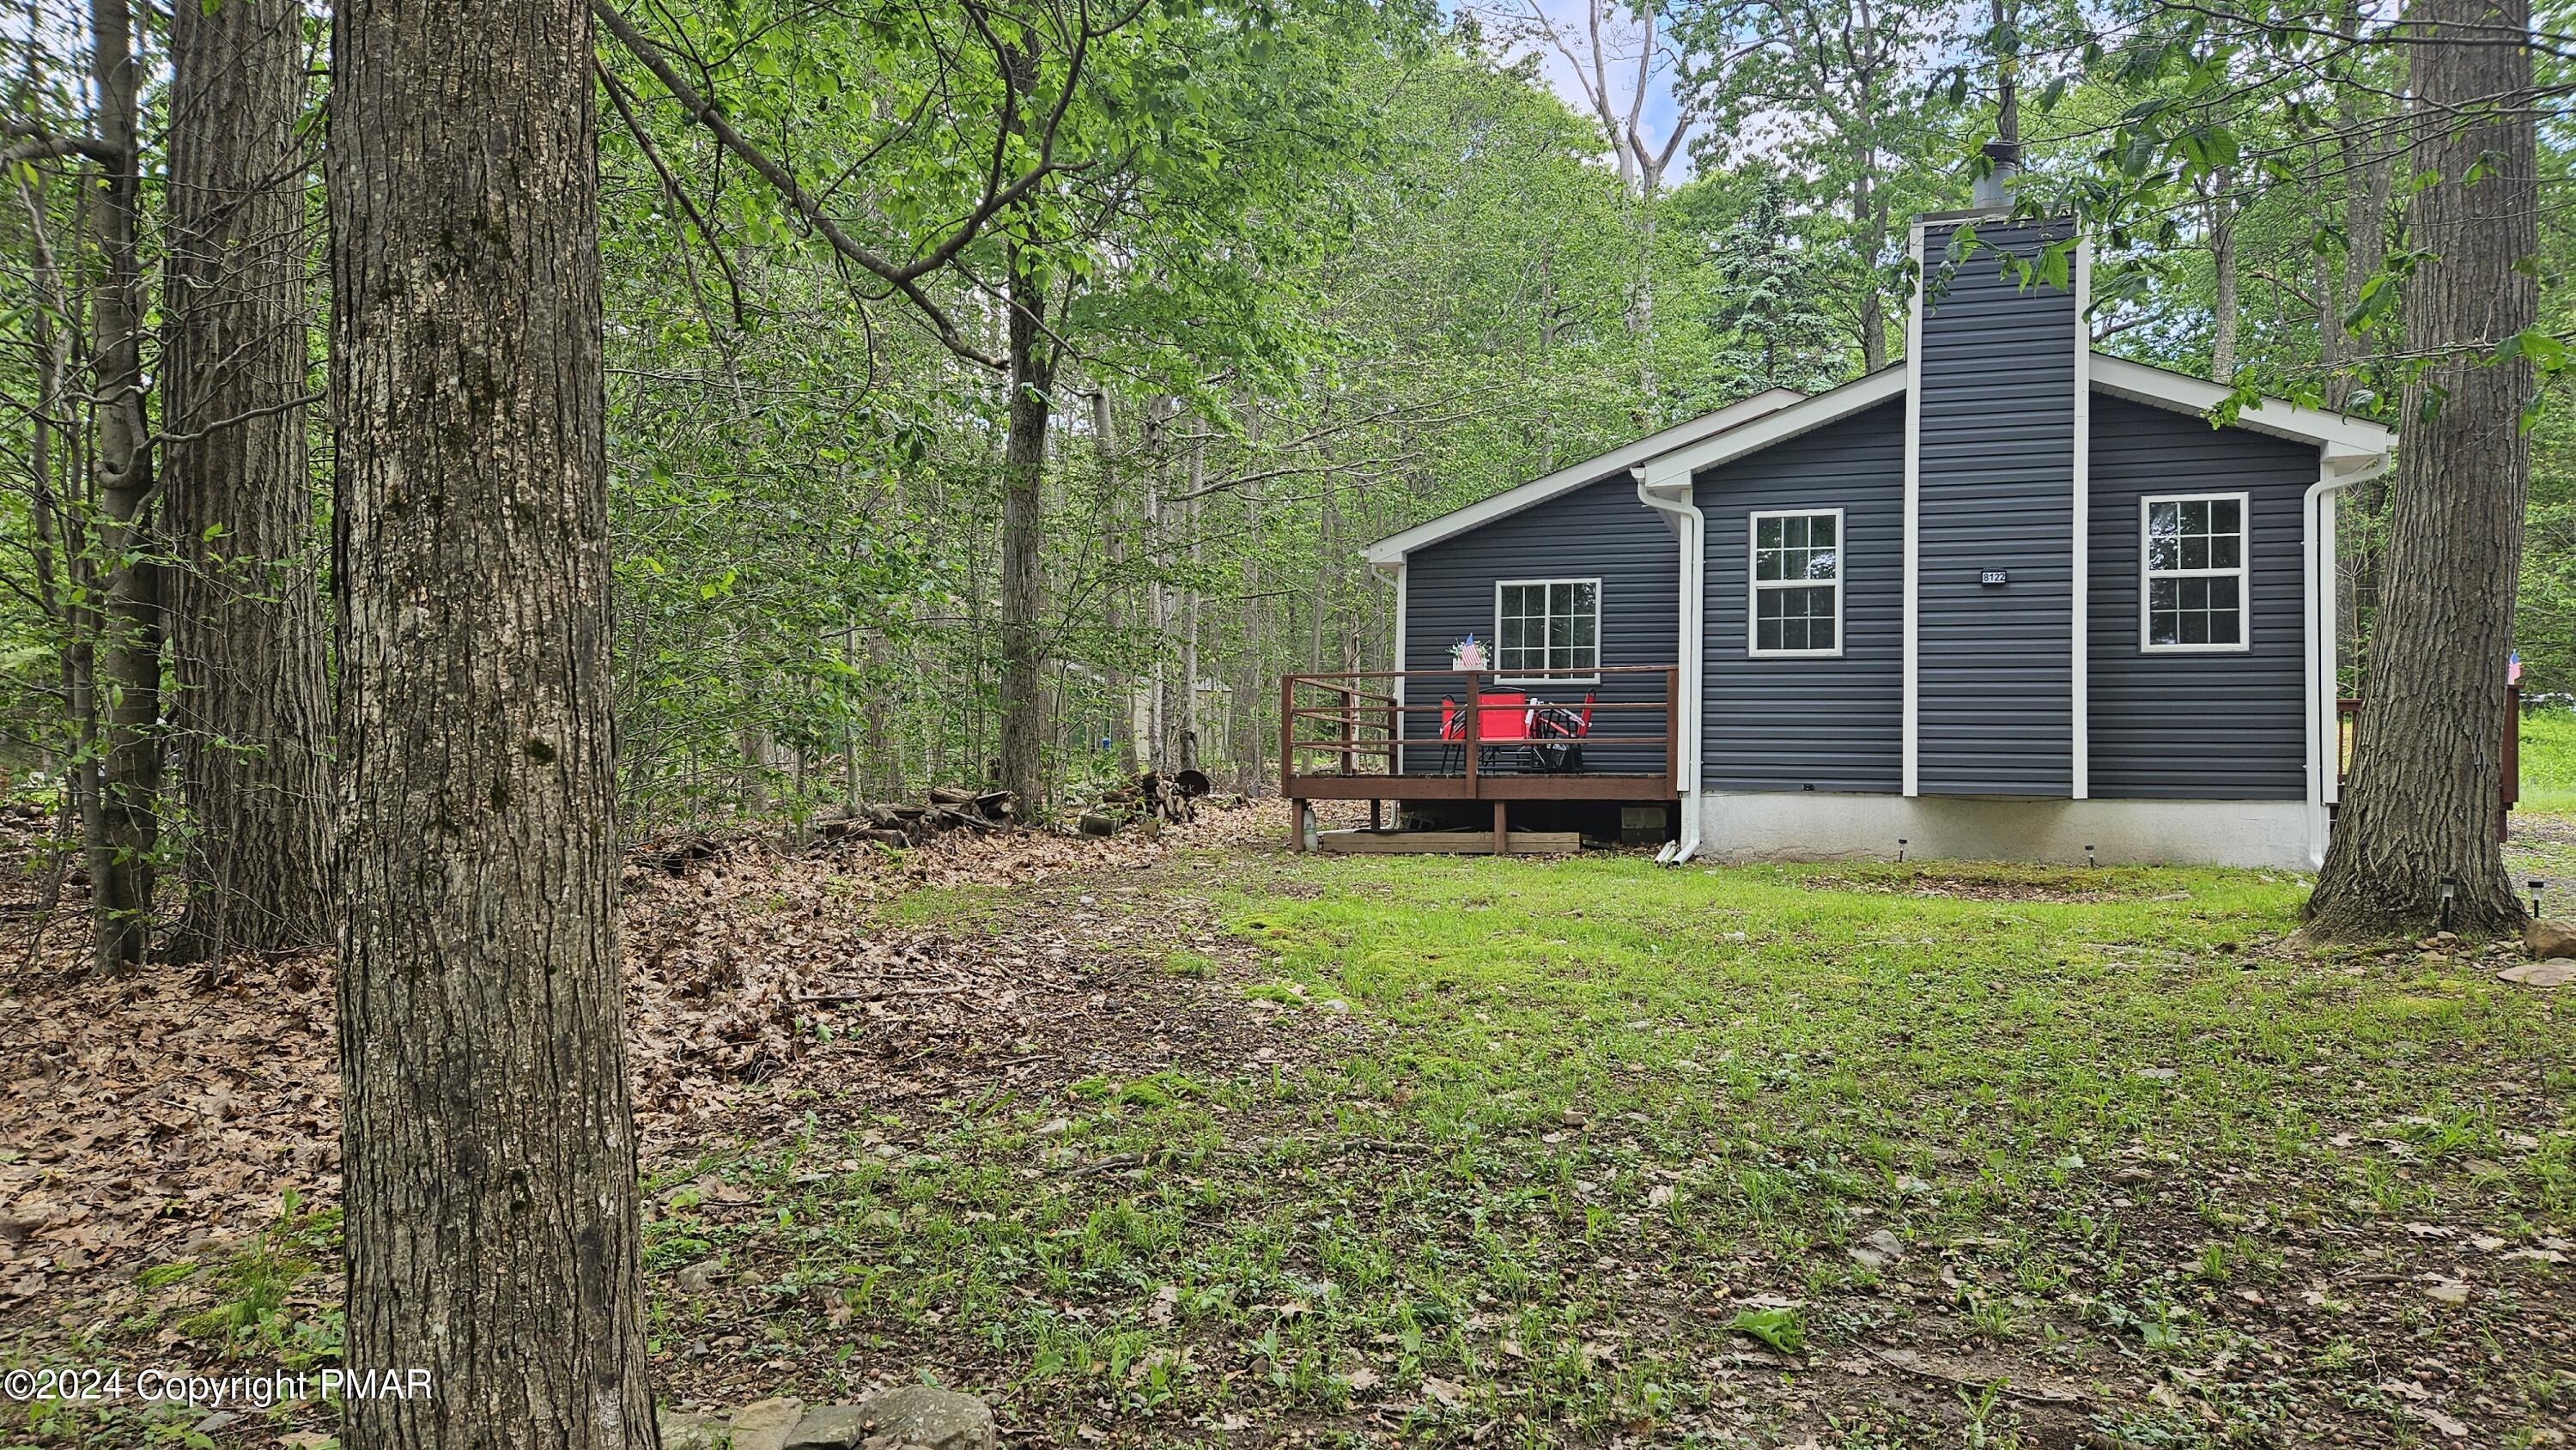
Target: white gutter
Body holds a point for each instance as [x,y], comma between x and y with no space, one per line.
[1672,496]
[2336,472]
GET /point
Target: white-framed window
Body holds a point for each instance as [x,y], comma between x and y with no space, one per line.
[1796,608]
[1548,624]
[2191,576]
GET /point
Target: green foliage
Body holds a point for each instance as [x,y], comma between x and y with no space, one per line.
[1776,1327]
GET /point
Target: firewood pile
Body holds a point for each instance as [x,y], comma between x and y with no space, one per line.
[1153,799]
[902,823]
[1150,801]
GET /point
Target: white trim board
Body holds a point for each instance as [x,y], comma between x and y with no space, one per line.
[2080,764]
[1603,469]
[1912,710]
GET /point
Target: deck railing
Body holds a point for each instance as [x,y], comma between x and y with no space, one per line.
[2509,785]
[1377,734]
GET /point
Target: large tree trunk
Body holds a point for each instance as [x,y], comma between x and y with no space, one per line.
[1113,613]
[251,713]
[2223,308]
[129,657]
[488,1144]
[1023,505]
[2424,795]
[1873,237]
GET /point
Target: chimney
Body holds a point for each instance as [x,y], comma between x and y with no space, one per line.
[1993,191]
[1998,365]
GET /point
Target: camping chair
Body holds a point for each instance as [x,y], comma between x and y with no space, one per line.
[1503,719]
[1557,733]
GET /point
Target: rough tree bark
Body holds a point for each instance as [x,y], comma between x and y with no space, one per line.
[2223,306]
[251,713]
[2426,772]
[1032,359]
[487,1138]
[1873,233]
[129,656]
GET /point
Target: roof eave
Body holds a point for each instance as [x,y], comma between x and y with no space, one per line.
[1391,550]
[2342,437]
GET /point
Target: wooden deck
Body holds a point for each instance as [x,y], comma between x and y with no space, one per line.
[1378,735]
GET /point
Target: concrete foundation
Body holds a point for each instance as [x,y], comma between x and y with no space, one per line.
[1803,826]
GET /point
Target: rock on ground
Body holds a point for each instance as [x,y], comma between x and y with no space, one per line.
[917,1417]
[766,1424]
[2550,937]
[913,1417]
[1877,1250]
[2555,973]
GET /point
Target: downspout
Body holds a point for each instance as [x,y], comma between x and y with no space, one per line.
[2320,622]
[1689,523]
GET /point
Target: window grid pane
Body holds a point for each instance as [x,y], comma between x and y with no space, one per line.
[1797,559]
[1554,624]
[2194,558]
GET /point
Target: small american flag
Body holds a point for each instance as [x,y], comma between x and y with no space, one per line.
[2513,668]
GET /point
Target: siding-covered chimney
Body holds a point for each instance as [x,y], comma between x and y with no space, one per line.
[1996,424]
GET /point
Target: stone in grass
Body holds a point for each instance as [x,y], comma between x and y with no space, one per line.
[2556,973]
[1877,1250]
[682,1430]
[913,1417]
[2547,937]
[766,1424]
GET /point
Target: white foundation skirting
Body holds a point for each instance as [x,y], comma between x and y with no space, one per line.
[1814,826]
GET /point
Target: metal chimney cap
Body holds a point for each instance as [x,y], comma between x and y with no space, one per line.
[1993,191]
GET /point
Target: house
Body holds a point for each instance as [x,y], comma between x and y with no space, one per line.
[2013,598]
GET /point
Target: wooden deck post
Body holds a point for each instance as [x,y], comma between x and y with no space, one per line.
[1288,763]
[1502,833]
[1475,727]
[1287,732]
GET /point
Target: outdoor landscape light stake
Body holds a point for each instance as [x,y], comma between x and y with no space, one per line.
[2088,858]
[1900,848]
[2450,888]
[2537,886]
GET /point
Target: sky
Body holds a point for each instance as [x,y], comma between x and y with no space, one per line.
[1515,22]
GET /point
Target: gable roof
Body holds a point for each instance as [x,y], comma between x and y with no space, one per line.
[2346,440]
[1830,406]
[1393,548]
[1668,458]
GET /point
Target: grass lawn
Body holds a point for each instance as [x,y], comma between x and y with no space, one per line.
[1535,1153]
[1261,1149]
[2548,753]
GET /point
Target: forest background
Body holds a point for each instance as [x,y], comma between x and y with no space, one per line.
[1295,276]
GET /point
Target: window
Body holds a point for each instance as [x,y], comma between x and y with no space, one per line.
[1797,606]
[1547,624]
[2193,594]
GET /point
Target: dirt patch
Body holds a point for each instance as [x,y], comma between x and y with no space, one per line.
[2000,885]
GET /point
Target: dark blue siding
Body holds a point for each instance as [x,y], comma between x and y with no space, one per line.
[2197,726]
[1598,531]
[1789,724]
[1994,673]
